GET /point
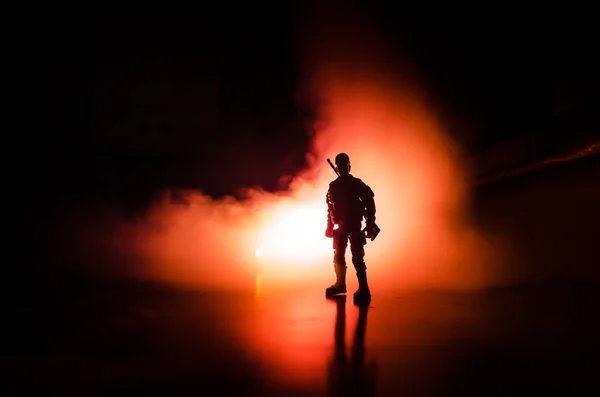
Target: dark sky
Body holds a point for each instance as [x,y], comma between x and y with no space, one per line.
[202,100]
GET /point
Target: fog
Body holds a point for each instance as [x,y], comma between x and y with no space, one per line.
[368,102]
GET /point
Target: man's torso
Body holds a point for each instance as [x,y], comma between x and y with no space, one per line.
[344,197]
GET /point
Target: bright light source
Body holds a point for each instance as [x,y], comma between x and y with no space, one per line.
[296,233]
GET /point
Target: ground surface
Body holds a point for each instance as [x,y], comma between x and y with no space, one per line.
[141,339]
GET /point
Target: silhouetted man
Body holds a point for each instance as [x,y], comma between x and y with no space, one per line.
[349,200]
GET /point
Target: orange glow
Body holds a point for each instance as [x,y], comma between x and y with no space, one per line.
[397,145]
[258,285]
[287,334]
[295,234]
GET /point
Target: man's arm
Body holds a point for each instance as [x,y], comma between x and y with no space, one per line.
[368,199]
[329,230]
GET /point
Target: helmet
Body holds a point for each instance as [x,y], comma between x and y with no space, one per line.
[342,158]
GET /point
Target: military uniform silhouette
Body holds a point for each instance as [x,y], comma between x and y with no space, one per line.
[349,199]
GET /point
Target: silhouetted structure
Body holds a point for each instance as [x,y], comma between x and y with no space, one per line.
[349,199]
[350,376]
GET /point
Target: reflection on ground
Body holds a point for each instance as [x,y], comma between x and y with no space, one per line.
[349,375]
[131,340]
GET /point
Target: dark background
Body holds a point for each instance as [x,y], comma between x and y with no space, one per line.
[493,74]
[119,104]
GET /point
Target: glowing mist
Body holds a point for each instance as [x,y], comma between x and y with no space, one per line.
[396,145]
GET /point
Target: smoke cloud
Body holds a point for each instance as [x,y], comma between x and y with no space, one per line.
[366,106]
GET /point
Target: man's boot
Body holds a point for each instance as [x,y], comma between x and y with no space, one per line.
[363,294]
[340,282]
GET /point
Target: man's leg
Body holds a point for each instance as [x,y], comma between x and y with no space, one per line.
[357,247]
[340,242]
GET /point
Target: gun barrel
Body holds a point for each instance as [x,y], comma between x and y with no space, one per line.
[333,167]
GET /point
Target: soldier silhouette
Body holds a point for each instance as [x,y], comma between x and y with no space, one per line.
[349,200]
[350,376]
